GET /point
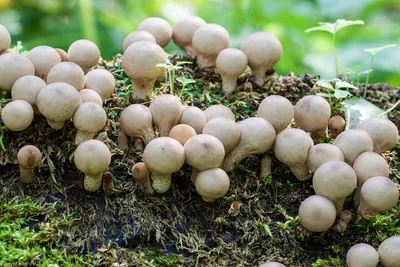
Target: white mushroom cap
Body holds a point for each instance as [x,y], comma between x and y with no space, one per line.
[322,153]
[370,164]
[362,255]
[5,39]
[182,133]
[277,110]
[194,117]
[67,72]
[353,142]
[166,111]
[212,184]
[17,115]
[63,55]
[219,110]
[101,81]
[43,59]
[26,88]
[272,264]
[84,53]
[137,36]
[389,252]
[183,32]
[88,95]
[159,28]
[226,130]
[89,118]
[336,125]
[317,213]
[12,67]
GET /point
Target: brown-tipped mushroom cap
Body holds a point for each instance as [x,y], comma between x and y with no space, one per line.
[12,67]
[212,184]
[291,148]
[43,59]
[89,118]
[230,63]
[183,32]
[67,72]
[370,164]
[5,39]
[84,53]
[194,117]
[353,142]
[219,110]
[317,213]
[277,110]
[208,41]
[140,172]
[256,136]
[322,153]
[17,115]
[226,130]
[263,51]
[389,252]
[159,28]
[29,157]
[137,36]
[182,132]
[26,88]
[101,81]
[88,95]
[362,255]
[63,55]
[166,111]
[383,133]
[336,125]
[272,264]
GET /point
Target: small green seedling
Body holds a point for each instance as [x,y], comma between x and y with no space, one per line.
[184,81]
[333,28]
[171,69]
[336,87]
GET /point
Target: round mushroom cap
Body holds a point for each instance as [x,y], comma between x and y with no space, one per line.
[317,213]
[135,120]
[226,130]
[182,132]
[164,155]
[277,110]
[379,193]
[159,28]
[362,255]
[84,53]
[12,67]
[383,133]
[184,29]
[89,117]
[101,81]
[353,142]
[88,95]
[370,164]
[212,184]
[204,152]
[219,110]
[26,88]
[29,156]
[5,39]
[43,59]
[312,113]
[231,62]
[336,125]
[272,264]
[92,157]
[166,111]
[140,171]
[17,115]
[389,252]
[63,55]
[322,153]
[67,72]
[137,36]
[194,117]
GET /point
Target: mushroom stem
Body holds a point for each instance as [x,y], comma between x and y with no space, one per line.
[343,221]
[366,211]
[56,125]
[231,158]
[266,163]
[142,88]
[228,84]
[26,175]
[339,205]
[92,182]
[122,140]
[145,186]
[301,171]
[205,61]
[161,182]
[322,133]
[190,51]
[259,75]
[82,136]
[150,135]
[163,131]
[357,196]
[194,175]
[137,143]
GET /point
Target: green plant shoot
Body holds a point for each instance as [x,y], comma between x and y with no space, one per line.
[184,81]
[171,70]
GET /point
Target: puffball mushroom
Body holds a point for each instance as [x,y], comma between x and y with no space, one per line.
[183,31]
[88,95]
[377,194]
[194,117]
[29,157]
[17,115]
[291,148]
[139,63]
[263,51]
[322,153]
[43,59]
[256,136]
[383,133]
[5,39]
[92,157]
[101,81]
[159,28]
[336,125]
[362,255]
[67,72]
[181,133]
[389,252]
[212,184]
[84,53]
[272,264]
[26,88]
[208,41]
[226,130]
[137,36]
[278,110]
[317,213]
[219,110]
[141,174]
[89,118]
[12,67]
[63,55]
[166,111]
[353,142]
[58,102]
[163,156]
[312,114]
[230,63]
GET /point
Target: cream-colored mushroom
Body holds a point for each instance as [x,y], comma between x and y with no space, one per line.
[137,36]
[17,115]
[166,111]
[219,110]
[141,174]
[12,67]
[322,153]
[389,252]
[26,88]
[317,213]
[29,157]
[88,95]
[352,143]
[212,184]
[84,53]
[101,81]
[63,55]
[183,31]
[159,28]
[43,59]
[226,130]
[194,117]
[5,39]
[89,118]
[362,255]
[277,110]
[272,264]
[182,133]
[67,72]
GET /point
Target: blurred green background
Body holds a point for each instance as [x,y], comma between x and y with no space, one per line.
[59,22]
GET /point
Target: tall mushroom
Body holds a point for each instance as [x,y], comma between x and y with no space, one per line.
[29,157]
[317,213]
[226,130]
[12,67]
[362,255]
[219,110]
[194,117]
[336,125]
[89,118]
[5,39]
[277,110]
[212,184]
[43,59]
[67,72]
[389,252]
[26,88]
[353,142]
[101,81]
[322,153]
[159,28]
[183,31]
[17,115]
[84,53]
[166,111]
[137,36]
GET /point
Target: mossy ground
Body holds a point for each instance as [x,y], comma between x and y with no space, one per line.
[178,228]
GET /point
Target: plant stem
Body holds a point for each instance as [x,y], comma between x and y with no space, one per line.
[88,20]
[171,81]
[335,55]
[369,71]
[390,109]
[183,89]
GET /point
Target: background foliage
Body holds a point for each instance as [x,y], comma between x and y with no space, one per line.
[58,23]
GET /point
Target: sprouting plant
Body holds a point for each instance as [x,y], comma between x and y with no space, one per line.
[171,70]
[335,88]
[333,28]
[184,81]
[18,48]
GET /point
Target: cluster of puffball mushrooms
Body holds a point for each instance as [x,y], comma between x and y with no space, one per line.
[63,85]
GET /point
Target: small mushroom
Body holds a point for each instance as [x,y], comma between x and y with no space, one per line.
[29,157]
[277,110]
[383,133]
[317,213]
[5,39]
[67,72]
[362,255]
[159,28]
[108,184]
[17,115]
[343,221]
[377,194]
[142,177]
[26,88]
[226,130]
[137,36]
[183,32]
[219,110]
[101,81]
[84,53]
[92,157]
[263,51]
[163,156]
[272,264]
[230,63]
[43,59]
[322,153]
[312,114]
[208,41]
[353,142]
[194,117]
[63,55]
[212,184]
[256,136]
[389,252]
[12,67]
[140,64]
[291,148]
[88,95]
[181,133]
[166,111]
[89,118]
[336,125]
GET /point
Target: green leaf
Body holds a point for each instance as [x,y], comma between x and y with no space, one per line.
[183,63]
[342,23]
[341,94]
[327,27]
[184,80]
[374,51]
[342,84]
[163,65]
[325,84]
[358,109]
